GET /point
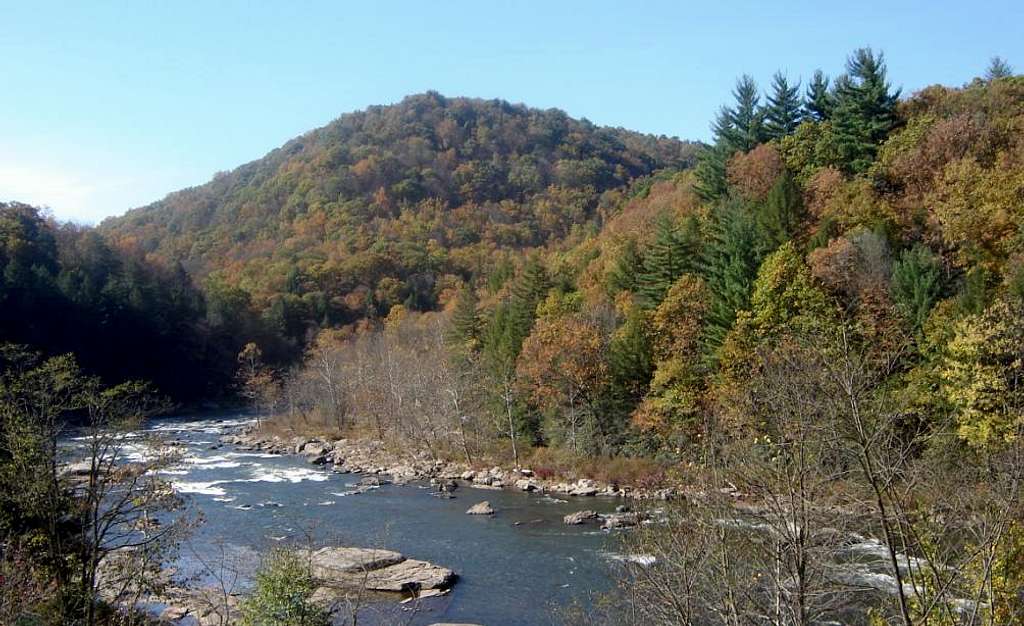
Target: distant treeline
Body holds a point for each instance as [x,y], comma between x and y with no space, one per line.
[66,289]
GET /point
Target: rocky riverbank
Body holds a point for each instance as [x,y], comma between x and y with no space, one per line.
[346,578]
[374,459]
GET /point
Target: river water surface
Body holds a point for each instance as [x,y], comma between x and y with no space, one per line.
[516,567]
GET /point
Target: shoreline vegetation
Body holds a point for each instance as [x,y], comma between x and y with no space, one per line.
[373,457]
[811,329]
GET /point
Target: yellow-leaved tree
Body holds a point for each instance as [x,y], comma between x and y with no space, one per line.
[983,375]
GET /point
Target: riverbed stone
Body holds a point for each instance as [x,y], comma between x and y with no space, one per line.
[317,449]
[329,561]
[481,508]
[173,614]
[410,574]
[527,484]
[485,487]
[621,520]
[579,517]
[343,568]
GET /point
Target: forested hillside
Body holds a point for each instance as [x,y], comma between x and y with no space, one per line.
[821,320]
[812,328]
[392,205]
[65,289]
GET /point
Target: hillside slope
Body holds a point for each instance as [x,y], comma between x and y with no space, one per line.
[390,205]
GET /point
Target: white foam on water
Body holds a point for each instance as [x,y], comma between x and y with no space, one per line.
[216,458]
[254,455]
[645,560]
[190,463]
[291,475]
[224,499]
[204,488]
[202,426]
[326,503]
[220,465]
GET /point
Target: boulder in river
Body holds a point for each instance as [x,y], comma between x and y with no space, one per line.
[579,517]
[583,487]
[481,508]
[527,484]
[621,520]
[376,570]
[317,449]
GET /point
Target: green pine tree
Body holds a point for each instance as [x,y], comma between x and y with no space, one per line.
[630,356]
[465,329]
[818,101]
[501,342]
[864,112]
[732,254]
[626,269]
[746,128]
[998,68]
[737,128]
[672,253]
[529,289]
[513,319]
[631,365]
[782,212]
[916,284]
[782,112]
[710,171]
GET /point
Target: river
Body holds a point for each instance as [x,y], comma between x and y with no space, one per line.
[515,567]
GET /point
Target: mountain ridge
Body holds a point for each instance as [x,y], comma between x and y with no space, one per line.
[393,203]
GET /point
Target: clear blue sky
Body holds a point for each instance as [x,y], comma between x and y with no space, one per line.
[106,106]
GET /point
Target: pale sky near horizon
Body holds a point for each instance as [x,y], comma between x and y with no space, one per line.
[108,105]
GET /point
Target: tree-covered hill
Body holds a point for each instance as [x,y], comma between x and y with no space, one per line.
[390,205]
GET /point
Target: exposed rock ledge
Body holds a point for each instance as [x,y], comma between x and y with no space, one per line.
[365,456]
[376,570]
[340,573]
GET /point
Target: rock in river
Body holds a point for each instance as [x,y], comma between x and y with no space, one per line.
[621,520]
[579,517]
[482,508]
[376,570]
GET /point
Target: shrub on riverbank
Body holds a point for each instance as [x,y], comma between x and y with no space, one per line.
[282,594]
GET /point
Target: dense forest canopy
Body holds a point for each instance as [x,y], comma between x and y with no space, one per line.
[65,288]
[392,205]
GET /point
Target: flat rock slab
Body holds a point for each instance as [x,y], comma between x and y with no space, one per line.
[376,570]
[409,574]
[328,561]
